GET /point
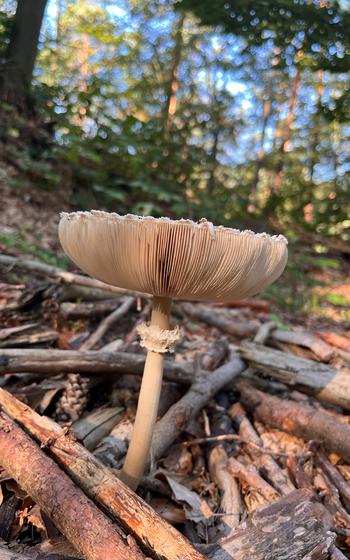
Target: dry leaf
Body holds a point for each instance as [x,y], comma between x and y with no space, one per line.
[195,508]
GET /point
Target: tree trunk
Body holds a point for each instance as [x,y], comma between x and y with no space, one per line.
[212,158]
[21,53]
[286,132]
[173,85]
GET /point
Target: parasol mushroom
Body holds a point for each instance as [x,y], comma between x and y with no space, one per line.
[170,259]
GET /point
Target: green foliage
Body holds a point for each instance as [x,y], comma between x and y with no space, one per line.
[231,144]
[18,240]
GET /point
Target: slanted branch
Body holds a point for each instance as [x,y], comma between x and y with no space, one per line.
[326,383]
[79,520]
[155,535]
[301,420]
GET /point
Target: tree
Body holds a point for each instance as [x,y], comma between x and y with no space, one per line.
[21,53]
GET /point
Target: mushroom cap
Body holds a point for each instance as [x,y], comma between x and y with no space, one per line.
[177,259]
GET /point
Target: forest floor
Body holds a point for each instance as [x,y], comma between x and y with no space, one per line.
[253,434]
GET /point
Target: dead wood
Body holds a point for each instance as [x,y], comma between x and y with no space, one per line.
[264,462]
[91,429]
[107,323]
[231,502]
[336,554]
[40,337]
[308,340]
[9,331]
[204,387]
[78,519]
[258,304]
[226,325]
[298,419]
[335,477]
[7,553]
[88,310]
[326,383]
[215,355]
[52,362]
[294,527]
[37,267]
[301,338]
[218,462]
[114,446]
[249,474]
[159,538]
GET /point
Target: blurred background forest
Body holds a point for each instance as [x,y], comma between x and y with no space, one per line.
[238,111]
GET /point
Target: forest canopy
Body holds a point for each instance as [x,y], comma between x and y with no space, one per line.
[238,111]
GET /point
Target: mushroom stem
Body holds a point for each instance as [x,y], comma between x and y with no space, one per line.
[147,407]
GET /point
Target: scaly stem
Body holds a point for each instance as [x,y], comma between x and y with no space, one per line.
[147,407]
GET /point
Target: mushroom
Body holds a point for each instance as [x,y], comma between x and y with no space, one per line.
[170,259]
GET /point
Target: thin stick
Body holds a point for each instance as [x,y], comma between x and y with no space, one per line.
[106,324]
[62,275]
[234,437]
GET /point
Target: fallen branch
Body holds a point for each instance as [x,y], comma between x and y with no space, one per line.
[335,477]
[53,362]
[301,338]
[218,462]
[96,425]
[300,420]
[78,519]
[39,337]
[227,325]
[231,503]
[9,554]
[38,267]
[70,310]
[250,475]
[326,383]
[106,324]
[204,387]
[264,462]
[156,535]
[294,527]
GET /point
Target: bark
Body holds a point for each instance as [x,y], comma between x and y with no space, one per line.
[301,338]
[39,337]
[53,362]
[249,474]
[21,52]
[231,502]
[63,276]
[156,536]
[204,387]
[226,325]
[218,462]
[295,527]
[172,85]
[336,554]
[326,383]
[70,310]
[277,176]
[297,419]
[91,429]
[9,554]
[264,462]
[308,340]
[107,323]
[335,477]
[78,519]
[212,160]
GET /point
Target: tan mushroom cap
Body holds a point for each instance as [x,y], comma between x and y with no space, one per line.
[172,258]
